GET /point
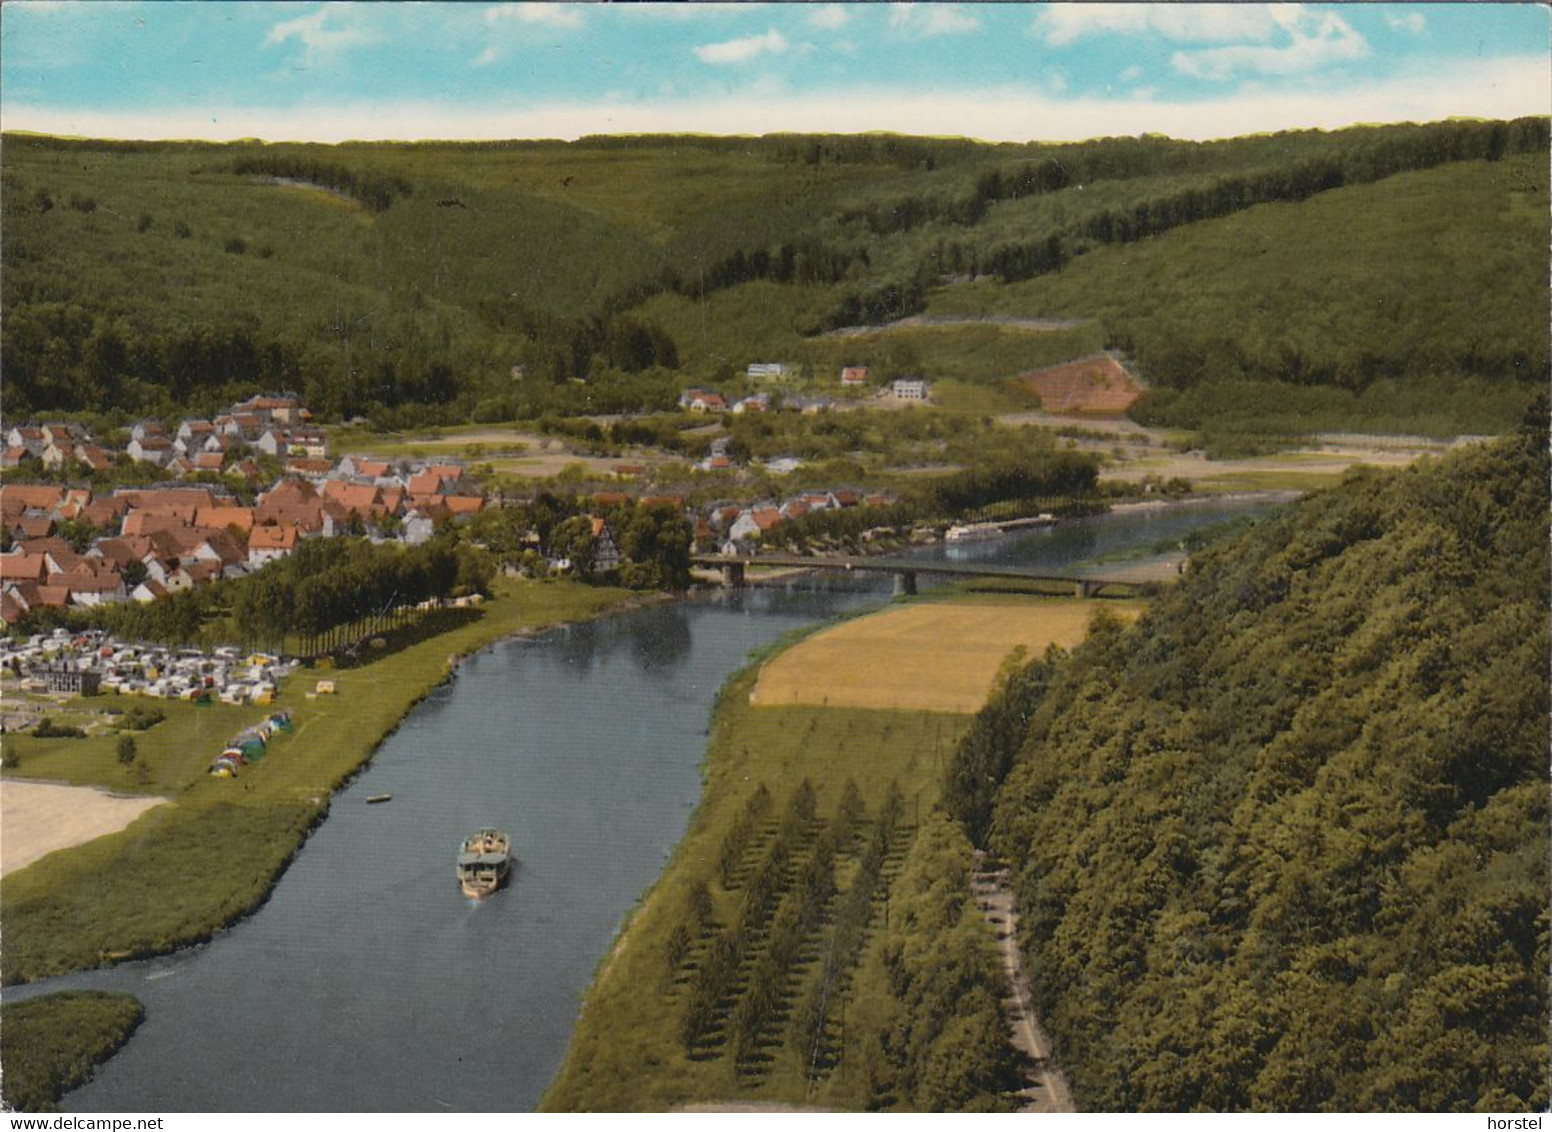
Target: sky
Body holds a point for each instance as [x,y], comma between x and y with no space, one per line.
[220,69]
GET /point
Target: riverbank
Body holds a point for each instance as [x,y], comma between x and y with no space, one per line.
[181,872]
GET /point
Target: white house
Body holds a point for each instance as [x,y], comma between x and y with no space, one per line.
[151,449]
[909,389]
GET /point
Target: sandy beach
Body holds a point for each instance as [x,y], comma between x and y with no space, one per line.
[37,818]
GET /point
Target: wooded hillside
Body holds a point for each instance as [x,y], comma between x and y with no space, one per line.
[1284,844]
[406,281]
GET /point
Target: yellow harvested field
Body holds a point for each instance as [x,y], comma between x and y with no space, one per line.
[930,657]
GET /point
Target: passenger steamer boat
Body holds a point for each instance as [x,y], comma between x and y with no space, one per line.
[484,862]
[973,532]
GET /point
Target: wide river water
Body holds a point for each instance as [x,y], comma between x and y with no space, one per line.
[367,982]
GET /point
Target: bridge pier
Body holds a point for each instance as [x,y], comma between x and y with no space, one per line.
[905,583]
[1083,588]
[733,575]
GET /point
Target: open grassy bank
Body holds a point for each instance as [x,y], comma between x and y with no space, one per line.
[52,1044]
[813,941]
[182,871]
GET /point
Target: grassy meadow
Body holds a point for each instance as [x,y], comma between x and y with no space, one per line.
[148,889]
[52,1044]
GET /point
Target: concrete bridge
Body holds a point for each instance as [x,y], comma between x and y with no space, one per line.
[905,570]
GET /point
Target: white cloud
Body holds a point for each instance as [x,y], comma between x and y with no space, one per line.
[1315,40]
[741,50]
[680,11]
[931,19]
[829,17]
[551,15]
[1413,22]
[1063,24]
[1130,74]
[1502,87]
[330,29]
[487,57]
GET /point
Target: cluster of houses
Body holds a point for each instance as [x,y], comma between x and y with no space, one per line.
[271,424]
[91,663]
[697,399]
[736,529]
[151,541]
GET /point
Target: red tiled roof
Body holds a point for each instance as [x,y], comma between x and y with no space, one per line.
[272,538]
[201,570]
[51,595]
[219,518]
[21,566]
[34,526]
[310,467]
[122,550]
[425,483]
[167,498]
[364,499]
[144,522]
[11,609]
[35,496]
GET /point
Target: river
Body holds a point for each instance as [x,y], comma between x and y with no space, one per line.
[367,982]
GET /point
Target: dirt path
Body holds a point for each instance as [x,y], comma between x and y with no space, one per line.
[1043,325]
[1047,1090]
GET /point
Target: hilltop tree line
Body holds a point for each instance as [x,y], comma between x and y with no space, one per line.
[376,191]
[1283,844]
[1422,147]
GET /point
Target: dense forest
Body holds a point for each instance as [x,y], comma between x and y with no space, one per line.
[1284,844]
[440,282]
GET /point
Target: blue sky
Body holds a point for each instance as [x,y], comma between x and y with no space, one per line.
[332,71]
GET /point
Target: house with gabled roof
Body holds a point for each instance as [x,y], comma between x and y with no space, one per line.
[93,457]
[28,437]
[150,450]
[698,400]
[606,552]
[753,523]
[265,544]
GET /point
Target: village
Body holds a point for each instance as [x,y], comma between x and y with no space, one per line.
[73,547]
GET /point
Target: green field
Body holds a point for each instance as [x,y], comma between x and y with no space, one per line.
[148,889]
